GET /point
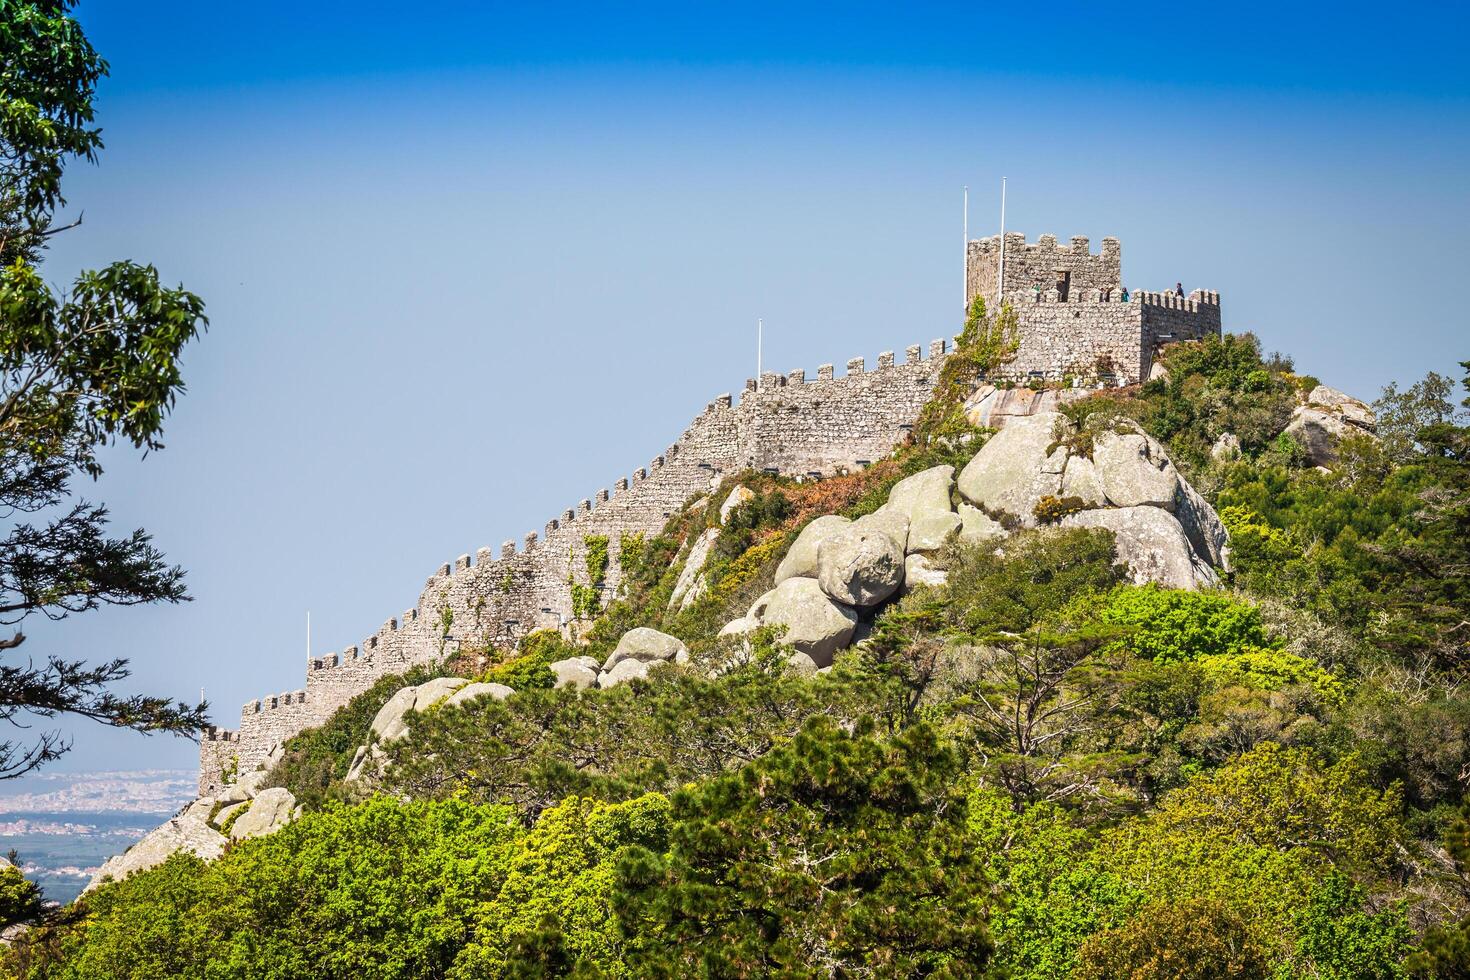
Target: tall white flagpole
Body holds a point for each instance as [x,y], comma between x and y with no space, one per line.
[760,330]
[965,256]
[1000,275]
[308,634]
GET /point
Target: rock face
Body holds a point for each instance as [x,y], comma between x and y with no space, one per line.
[815,625]
[923,494]
[860,566]
[182,833]
[1133,470]
[691,583]
[575,672]
[801,558]
[1152,543]
[1328,417]
[271,810]
[1016,468]
[918,570]
[740,495]
[977,527]
[648,646]
[1227,447]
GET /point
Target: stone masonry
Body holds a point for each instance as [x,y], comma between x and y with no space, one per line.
[789,424]
[1073,319]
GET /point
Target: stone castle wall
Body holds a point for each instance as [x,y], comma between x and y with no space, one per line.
[1098,335]
[1088,332]
[1034,265]
[787,423]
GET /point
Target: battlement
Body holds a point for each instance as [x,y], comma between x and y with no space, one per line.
[1044,264]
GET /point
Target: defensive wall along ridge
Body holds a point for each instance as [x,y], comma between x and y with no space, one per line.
[790,424]
[1075,320]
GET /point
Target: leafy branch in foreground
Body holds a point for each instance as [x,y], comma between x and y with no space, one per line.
[79,370]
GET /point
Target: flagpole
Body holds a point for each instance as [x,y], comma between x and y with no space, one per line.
[965,255]
[760,330]
[1000,275]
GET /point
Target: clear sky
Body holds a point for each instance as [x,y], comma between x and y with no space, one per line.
[467,263]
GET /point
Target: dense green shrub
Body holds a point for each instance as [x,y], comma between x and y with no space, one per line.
[1168,625]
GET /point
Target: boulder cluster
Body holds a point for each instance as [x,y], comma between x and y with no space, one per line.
[1038,469]
[242,809]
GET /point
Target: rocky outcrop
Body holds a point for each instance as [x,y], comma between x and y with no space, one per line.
[647,645]
[271,810]
[1133,470]
[801,558]
[1018,466]
[994,408]
[1166,532]
[1152,543]
[740,495]
[390,724]
[479,689]
[1328,417]
[575,672]
[923,494]
[691,583]
[813,623]
[189,831]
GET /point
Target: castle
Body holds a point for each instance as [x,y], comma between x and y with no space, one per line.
[1073,324]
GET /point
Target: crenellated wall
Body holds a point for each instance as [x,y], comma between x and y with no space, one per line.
[1087,331]
[1098,334]
[789,423]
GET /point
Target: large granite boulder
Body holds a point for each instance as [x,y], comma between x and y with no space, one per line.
[647,645]
[923,493]
[860,565]
[479,689]
[1351,410]
[271,810]
[1018,466]
[814,624]
[1080,479]
[1203,527]
[691,583]
[578,672]
[931,532]
[1152,543]
[1318,431]
[388,723]
[1328,417]
[801,558]
[189,831]
[1133,470]
[625,670]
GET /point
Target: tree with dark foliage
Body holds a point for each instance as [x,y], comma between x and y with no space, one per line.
[79,370]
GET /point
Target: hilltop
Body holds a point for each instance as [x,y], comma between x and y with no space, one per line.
[1002,722]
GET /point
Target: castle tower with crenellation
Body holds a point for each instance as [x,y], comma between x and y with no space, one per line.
[1077,321]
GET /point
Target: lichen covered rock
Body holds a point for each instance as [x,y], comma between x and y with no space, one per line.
[814,624]
[860,565]
[801,558]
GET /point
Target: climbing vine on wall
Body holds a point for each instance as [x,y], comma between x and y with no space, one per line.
[983,345]
[586,599]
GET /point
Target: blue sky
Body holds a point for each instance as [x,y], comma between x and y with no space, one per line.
[467,265]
